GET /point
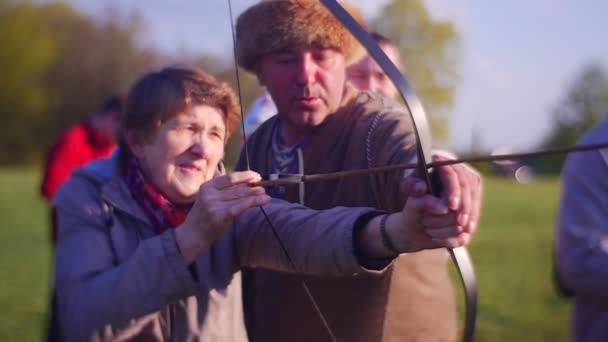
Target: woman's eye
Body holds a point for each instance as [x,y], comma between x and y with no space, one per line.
[217,135]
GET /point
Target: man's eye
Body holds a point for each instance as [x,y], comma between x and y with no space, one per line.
[285,59]
[323,58]
[380,76]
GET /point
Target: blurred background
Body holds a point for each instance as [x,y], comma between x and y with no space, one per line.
[493,76]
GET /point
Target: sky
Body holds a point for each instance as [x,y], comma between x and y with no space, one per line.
[517,57]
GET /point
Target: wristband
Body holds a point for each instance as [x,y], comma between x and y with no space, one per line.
[386,240]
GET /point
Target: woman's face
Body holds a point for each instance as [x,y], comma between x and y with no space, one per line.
[184,152]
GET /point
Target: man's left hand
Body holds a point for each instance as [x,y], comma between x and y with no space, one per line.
[461,190]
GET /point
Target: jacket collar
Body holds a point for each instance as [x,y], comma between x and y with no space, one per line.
[114,190]
[117,193]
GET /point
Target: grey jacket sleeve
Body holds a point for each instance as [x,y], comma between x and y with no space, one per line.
[582,240]
[93,290]
[318,242]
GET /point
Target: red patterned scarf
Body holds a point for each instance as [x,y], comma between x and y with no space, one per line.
[161,211]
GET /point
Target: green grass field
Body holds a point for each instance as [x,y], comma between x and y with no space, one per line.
[511,252]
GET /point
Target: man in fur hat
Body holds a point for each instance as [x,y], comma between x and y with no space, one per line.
[300,52]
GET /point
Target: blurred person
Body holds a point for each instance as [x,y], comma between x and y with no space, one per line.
[262,109]
[582,237]
[367,75]
[300,52]
[152,238]
[81,143]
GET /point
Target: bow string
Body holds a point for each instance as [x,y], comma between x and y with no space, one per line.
[273,228]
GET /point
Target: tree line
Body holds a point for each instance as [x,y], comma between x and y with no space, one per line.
[57,66]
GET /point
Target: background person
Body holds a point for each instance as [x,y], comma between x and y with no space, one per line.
[81,143]
[582,237]
[366,74]
[262,109]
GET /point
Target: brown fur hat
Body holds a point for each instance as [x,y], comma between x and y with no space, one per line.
[273,25]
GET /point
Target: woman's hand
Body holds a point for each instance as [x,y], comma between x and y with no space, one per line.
[218,202]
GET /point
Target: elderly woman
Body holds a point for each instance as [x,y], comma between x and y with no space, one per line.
[151,239]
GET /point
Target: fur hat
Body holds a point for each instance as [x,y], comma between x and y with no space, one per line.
[274,25]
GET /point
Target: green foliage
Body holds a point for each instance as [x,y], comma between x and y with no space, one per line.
[511,254]
[98,59]
[584,104]
[430,50]
[58,65]
[28,51]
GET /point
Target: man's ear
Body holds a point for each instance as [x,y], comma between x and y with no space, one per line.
[257,70]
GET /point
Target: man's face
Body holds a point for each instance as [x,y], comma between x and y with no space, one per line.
[305,83]
[367,75]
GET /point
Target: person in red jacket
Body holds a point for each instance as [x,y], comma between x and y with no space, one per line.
[81,143]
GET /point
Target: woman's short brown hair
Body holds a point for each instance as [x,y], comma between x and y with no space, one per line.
[159,96]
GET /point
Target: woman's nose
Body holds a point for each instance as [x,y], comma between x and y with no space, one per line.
[200,146]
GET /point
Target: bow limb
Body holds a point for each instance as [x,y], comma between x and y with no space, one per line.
[459,255]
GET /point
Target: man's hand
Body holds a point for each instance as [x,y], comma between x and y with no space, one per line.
[426,222]
[461,190]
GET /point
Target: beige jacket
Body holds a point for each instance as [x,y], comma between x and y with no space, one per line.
[413,303]
[116,280]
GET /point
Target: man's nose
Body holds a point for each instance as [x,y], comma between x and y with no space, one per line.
[374,85]
[366,83]
[306,71]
